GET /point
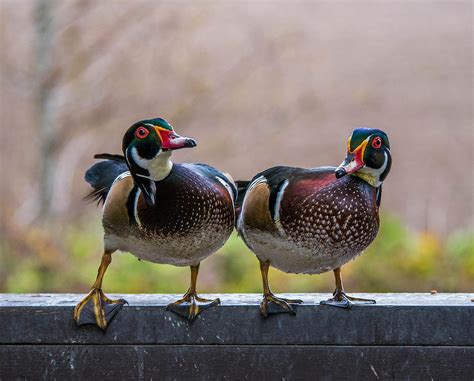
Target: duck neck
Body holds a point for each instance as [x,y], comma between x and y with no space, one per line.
[160,166]
[369,178]
[375,176]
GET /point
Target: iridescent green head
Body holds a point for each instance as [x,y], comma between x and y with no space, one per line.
[368,156]
[147,147]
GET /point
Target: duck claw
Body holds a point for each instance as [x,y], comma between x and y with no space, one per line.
[97,309]
[341,300]
[191,305]
[273,305]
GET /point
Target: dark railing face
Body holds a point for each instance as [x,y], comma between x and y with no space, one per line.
[414,336]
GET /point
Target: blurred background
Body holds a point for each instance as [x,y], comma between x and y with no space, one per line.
[257,84]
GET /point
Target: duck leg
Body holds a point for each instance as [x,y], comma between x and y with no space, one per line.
[191,305]
[96,308]
[270,303]
[340,299]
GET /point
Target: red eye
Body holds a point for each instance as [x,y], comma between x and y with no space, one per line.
[377,142]
[141,132]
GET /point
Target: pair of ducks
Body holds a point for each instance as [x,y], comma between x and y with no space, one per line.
[297,220]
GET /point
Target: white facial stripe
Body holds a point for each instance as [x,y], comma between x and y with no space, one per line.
[277,207]
[384,166]
[227,186]
[127,159]
[375,173]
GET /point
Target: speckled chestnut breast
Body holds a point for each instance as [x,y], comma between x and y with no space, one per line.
[193,217]
[318,223]
[341,214]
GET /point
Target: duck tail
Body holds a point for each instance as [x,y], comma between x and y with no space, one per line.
[102,175]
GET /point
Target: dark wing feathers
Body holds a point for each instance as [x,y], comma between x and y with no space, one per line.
[242,186]
[211,172]
[275,177]
[102,175]
[378,195]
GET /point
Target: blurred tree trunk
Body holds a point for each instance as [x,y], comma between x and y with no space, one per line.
[44,107]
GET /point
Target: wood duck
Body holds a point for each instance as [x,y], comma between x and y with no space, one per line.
[314,220]
[158,210]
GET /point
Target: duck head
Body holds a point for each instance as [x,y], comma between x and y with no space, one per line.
[147,147]
[368,156]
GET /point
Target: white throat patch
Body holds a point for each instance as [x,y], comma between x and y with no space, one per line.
[159,167]
[372,175]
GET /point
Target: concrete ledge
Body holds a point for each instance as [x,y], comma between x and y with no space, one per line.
[418,336]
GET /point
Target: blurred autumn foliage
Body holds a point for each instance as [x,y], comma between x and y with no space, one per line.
[257,84]
[65,259]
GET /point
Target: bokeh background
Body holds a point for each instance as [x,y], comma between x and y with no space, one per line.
[257,84]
